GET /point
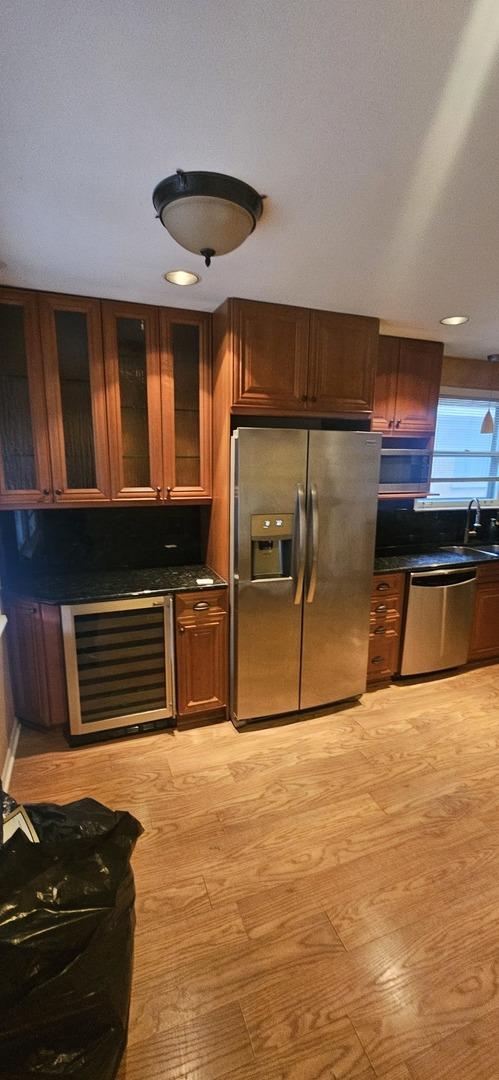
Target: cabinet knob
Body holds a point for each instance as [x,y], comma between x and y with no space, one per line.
[44,494]
[304,397]
[158,492]
[169,492]
[58,491]
[181,629]
[391,423]
[313,399]
[398,423]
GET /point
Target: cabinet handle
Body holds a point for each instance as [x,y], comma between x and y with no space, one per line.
[391,423]
[168,492]
[377,660]
[28,610]
[398,423]
[380,630]
[158,492]
[201,606]
[383,586]
[381,607]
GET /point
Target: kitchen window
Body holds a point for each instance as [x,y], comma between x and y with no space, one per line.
[465,459]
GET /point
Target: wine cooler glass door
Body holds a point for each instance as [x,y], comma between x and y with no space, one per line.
[119,663]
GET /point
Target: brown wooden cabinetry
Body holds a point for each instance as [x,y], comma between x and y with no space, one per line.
[342,363]
[202,658]
[407,386]
[387,602]
[485,632]
[85,420]
[288,360]
[34,639]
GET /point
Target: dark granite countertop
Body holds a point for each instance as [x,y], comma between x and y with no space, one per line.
[82,588]
[429,560]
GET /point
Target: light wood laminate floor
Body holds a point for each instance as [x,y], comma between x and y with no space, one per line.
[315,900]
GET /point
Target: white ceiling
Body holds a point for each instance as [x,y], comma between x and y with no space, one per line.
[372,126]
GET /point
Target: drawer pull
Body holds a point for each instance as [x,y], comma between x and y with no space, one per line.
[381,607]
[383,586]
[377,660]
[380,630]
[201,606]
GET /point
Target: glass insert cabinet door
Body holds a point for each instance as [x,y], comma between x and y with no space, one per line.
[186,384]
[75,392]
[132,363]
[24,452]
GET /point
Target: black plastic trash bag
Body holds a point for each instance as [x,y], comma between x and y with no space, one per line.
[66,943]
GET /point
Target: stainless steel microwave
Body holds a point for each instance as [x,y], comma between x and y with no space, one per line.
[404,471]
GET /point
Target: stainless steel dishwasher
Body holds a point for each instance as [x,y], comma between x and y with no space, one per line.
[439,617]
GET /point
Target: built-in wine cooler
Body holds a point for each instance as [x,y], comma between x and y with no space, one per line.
[119,663]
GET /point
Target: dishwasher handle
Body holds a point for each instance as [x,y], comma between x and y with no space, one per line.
[443,579]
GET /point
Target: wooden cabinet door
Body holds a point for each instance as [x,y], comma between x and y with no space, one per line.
[485,633]
[28,663]
[133,389]
[270,346]
[76,404]
[385,386]
[201,646]
[24,451]
[342,362]
[186,403]
[418,385]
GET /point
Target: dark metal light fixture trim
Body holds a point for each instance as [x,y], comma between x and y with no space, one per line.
[213,187]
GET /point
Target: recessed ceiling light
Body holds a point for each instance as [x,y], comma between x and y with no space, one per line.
[455,320]
[181,277]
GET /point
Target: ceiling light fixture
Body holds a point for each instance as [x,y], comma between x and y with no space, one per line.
[206,212]
[181,277]
[455,320]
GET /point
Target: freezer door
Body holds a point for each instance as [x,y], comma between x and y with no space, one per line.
[343,474]
[269,468]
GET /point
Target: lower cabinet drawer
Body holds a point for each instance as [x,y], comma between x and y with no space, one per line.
[383,656]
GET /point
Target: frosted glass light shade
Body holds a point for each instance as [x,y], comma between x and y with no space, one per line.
[202,221]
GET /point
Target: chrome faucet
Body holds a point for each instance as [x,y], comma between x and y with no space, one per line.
[476,524]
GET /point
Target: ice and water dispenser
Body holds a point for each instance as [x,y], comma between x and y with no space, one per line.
[271,545]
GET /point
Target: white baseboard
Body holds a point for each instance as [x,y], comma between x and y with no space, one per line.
[10,755]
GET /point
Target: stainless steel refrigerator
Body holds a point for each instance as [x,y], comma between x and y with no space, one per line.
[303,520]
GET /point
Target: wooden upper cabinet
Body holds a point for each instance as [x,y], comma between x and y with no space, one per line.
[418,385]
[342,362]
[76,404]
[133,386]
[269,343]
[186,403]
[385,392]
[25,477]
[407,386]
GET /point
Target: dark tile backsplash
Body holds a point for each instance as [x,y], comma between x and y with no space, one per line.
[44,541]
[400,526]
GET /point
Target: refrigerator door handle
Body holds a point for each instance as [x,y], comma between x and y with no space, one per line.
[300,544]
[314,534]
